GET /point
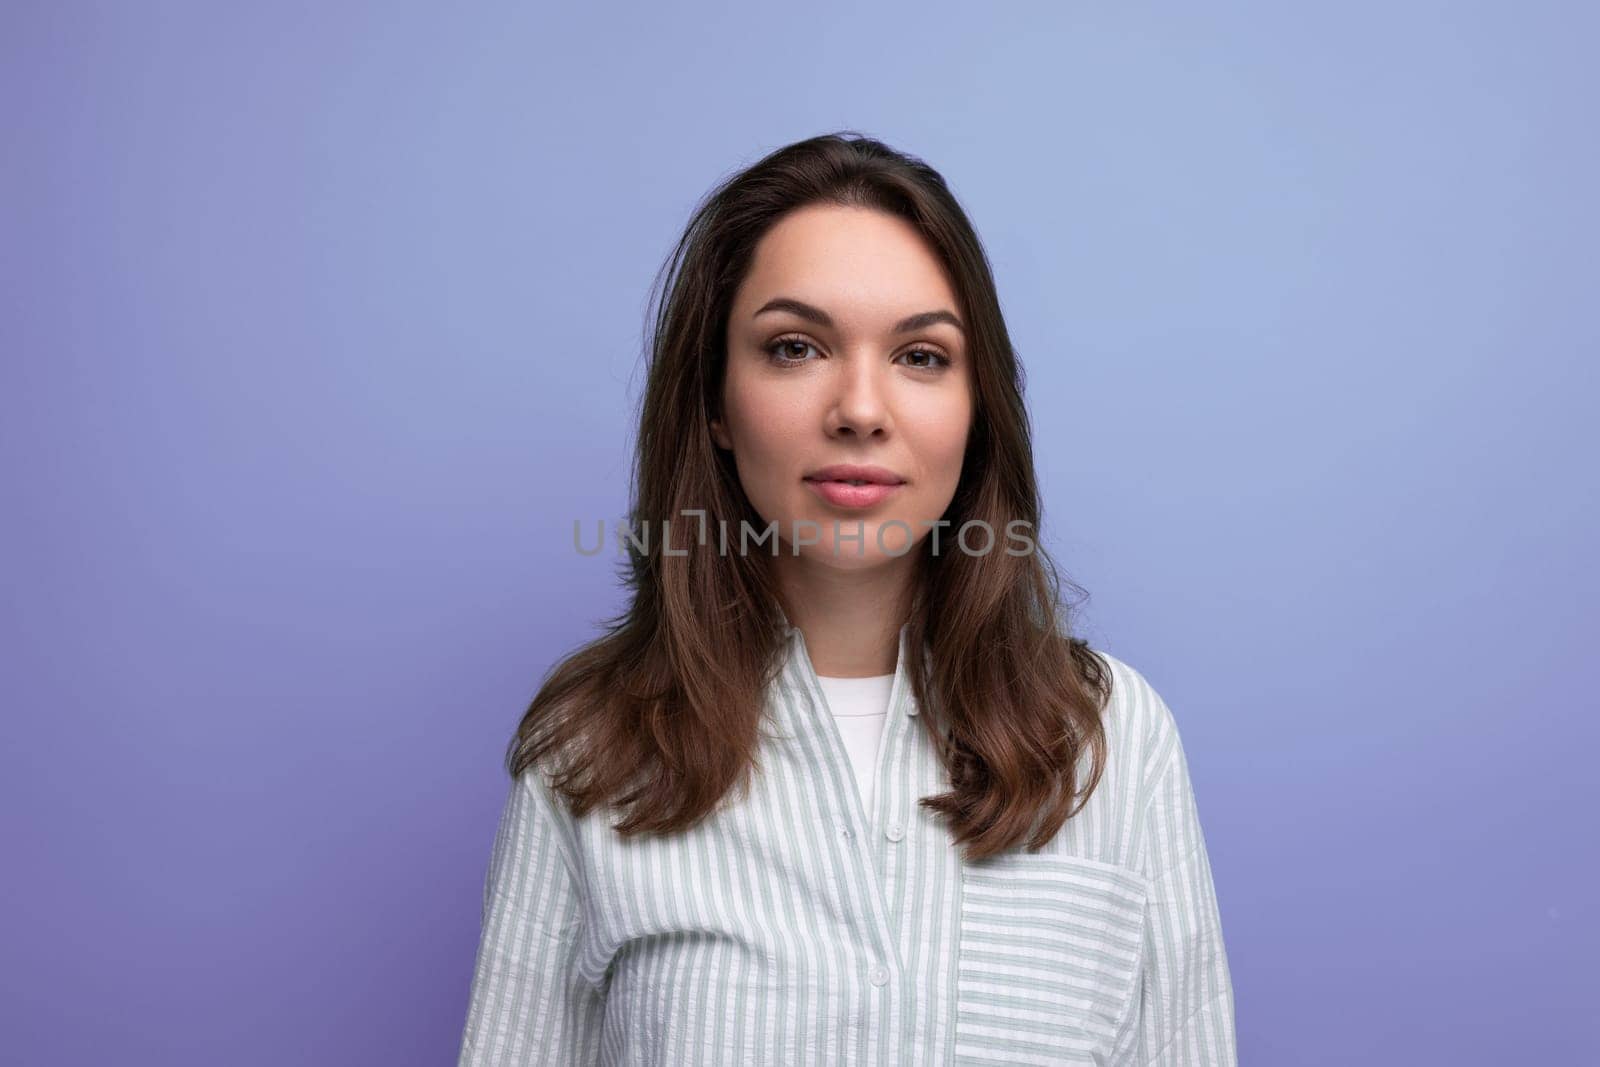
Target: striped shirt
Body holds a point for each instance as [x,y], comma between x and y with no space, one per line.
[796,927]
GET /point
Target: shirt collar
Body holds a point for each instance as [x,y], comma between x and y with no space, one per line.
[901,691]
[789,630]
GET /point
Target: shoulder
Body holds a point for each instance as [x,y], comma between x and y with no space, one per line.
[1137,719]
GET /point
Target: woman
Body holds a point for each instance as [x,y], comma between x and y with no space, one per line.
[840,787]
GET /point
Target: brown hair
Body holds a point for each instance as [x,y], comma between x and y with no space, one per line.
[659,717]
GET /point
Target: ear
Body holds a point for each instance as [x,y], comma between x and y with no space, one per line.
[719,434]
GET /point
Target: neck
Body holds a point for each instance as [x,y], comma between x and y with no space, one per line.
[851,619]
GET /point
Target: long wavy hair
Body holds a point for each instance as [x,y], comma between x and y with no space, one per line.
[660,717]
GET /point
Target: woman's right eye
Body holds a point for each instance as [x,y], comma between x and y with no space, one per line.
[779,351]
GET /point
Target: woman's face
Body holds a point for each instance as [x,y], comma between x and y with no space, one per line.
[845,347]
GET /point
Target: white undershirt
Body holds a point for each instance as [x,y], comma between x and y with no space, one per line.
[860,706]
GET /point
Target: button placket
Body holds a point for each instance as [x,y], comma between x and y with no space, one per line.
[883,865]
[850,811]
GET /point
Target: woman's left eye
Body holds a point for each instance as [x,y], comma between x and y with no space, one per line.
[936,359]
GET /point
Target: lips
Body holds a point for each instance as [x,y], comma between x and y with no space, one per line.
[851,473]
[854,486]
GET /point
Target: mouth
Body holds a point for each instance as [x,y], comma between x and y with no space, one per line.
[855,475]
[853,487]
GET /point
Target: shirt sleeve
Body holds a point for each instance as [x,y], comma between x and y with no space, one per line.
[1186,995]
[528,1004]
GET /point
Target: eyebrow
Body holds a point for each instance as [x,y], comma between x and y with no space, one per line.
[920,321]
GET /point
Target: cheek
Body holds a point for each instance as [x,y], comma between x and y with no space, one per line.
[769,438]
[773,438]
[941,441]
[770,423]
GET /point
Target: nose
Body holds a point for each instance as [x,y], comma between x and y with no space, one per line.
[860,406]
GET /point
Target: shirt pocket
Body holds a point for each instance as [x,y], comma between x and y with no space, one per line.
[1049,961]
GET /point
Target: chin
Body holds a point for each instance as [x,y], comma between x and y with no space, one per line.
[851,554]
[846,560]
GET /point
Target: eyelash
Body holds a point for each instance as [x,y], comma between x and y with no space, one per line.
[773,346]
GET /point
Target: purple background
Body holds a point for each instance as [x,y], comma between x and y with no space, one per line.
[321,325]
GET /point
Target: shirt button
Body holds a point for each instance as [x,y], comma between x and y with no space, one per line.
[911,707]
[880,975]
[894,832]
[844,831]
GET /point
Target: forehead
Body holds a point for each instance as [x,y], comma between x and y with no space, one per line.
[856,263]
